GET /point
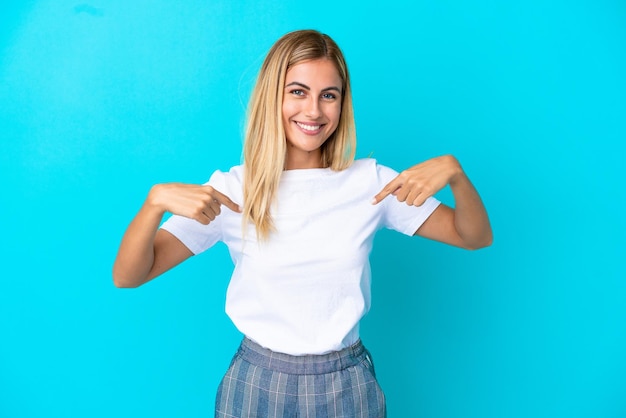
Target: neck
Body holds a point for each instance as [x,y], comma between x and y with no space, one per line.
[306,160]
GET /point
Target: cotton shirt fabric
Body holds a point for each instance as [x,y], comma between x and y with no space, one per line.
[305,289]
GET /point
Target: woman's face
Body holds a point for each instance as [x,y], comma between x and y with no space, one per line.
[311,111]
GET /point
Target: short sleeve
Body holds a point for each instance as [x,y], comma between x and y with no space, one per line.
[194,235]
[398,215]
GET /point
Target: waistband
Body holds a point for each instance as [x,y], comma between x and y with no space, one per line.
[308,364]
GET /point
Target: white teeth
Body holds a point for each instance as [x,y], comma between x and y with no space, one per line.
[309,127]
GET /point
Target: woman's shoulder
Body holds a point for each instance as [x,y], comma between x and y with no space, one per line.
[233,178]
[371,165]
[235,173]
[228,182]
[370,168]
[364,164]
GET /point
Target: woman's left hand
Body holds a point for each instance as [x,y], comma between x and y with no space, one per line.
[416,184]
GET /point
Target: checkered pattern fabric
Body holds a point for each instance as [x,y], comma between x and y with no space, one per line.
[264,384]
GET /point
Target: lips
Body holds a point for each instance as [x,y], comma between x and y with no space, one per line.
[309,128]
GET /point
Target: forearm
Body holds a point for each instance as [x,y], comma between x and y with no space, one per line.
[135,256]
[470,216]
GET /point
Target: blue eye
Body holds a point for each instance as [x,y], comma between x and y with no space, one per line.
[297,92]
[329,96]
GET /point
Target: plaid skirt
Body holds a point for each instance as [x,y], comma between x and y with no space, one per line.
[264,384]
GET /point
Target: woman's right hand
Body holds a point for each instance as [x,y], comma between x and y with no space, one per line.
[199,202]
[147,251]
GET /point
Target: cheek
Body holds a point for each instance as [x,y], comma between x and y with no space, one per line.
[289,109]
[334,114]
[288,112]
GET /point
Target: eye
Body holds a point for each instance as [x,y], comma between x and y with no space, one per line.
[297,92]
[329,96]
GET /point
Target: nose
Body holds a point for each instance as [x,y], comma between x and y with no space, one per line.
[313,110]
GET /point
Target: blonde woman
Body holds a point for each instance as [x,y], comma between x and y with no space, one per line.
[299,217]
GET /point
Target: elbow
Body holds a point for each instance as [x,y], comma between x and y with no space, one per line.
[122,282]
[484,242]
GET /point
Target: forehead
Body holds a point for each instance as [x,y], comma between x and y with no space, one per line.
[319,71]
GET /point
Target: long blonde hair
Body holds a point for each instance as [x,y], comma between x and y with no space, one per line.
[265,145]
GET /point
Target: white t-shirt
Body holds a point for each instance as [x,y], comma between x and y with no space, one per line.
[305,289]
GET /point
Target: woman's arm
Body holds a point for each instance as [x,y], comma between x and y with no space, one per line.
[467,225]
[147,251]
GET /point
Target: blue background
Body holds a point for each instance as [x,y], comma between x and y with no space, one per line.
[99,101]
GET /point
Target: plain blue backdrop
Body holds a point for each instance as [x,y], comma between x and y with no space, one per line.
[101,100]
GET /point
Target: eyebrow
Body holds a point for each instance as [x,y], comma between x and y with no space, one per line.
[297,83]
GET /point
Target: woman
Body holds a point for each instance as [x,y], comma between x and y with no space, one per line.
[299,218]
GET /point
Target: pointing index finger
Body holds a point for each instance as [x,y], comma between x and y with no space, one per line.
[386,191]
[225,200]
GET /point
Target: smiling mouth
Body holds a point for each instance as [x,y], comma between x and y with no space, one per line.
[309,128]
